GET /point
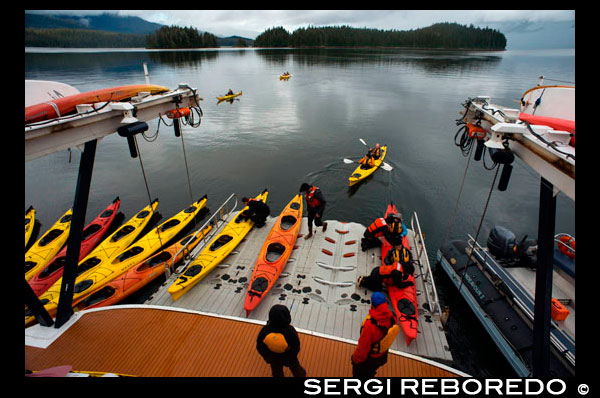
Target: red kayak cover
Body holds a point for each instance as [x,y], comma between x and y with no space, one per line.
[91,236]
[404,300]
[554,122]
[66,105]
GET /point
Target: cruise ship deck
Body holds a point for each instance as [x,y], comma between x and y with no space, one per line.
[209,323]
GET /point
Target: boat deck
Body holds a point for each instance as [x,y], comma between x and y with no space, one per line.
[317,285]
[195,345]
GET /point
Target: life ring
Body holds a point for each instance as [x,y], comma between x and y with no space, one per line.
[566,246]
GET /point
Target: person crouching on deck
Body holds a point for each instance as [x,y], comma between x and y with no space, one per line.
[257,211]
[397,268]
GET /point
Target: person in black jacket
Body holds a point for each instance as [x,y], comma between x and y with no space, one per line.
[257,211]
[315,207]
[278,343]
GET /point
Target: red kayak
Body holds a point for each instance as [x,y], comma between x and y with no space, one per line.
[404,300]
[66,105]
[554,122]
[90,237]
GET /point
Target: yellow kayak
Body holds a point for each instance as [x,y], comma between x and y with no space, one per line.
[284,77]
[110,247]
[363,171]
[44,250]
[226,97]
[29,221]
[215,252]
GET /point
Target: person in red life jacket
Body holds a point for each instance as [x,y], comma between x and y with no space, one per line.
[396,230]
[315,202]
[257,211]
[366,358]
[373,233]
[372,155]
[278,343]
[398,265]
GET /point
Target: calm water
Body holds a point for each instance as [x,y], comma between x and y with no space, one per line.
[282,133]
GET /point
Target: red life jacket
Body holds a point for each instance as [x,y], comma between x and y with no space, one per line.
[310,197]
[376,225]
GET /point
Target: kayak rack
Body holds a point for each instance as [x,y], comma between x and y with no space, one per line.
[218,218]
[425,266]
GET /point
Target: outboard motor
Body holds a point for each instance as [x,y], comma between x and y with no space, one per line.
[502,243]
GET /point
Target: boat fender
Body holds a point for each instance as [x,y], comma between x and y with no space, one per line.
[129,131]
[505,157]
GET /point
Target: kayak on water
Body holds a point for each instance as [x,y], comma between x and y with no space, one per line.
[363,171]
[230,96]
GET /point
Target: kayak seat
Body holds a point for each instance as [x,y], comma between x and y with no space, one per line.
[87,265]
[366,167]
[260,284]
[405,306]
[156,260]
[129,253]
[50,236]
[89,231]
[193,270]
[287,222]
[168,225]
[53,267]
[220,242]
[100,295]
[83,285]
[274,251]
[29,265]
[106,214]
[124,231]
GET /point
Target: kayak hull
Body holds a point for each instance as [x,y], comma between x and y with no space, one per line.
[66,105]
[44,250]
[404,300]
[214,253]
[141,275]
[29,223]
[226,97]
[274,254]
[360,173]
[109,248]
[92,233]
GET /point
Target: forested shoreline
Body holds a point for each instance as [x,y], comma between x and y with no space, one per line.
[438,36]
[441,35]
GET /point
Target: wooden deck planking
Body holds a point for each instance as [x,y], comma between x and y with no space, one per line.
[137,343]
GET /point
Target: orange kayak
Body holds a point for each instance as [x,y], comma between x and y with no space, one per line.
[275,253]
[91,236]
[66,105]
[141,275]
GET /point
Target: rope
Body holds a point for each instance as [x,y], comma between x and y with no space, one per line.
[187,172]
[451,222]
[145,179]
[470,259]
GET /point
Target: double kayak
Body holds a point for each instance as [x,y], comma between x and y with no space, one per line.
[230,96]
[404,300]
[214,252]
[365,170]
[90,237]
[29,222]
[142,274]
[109,248]
[284,77]
[44,250]
[67,105]
[274,253]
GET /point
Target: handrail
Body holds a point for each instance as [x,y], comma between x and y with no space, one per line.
[216,220]
[426,273]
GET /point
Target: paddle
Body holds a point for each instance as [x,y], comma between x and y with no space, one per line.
[384,165]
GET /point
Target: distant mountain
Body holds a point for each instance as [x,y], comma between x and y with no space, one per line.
[106,22]
[232,41]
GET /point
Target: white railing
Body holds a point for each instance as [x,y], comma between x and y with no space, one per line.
[219,217]
[425,266]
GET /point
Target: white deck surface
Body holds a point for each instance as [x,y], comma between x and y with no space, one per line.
[304,287]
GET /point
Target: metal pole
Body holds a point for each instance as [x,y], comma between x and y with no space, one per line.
[543,281]
[36,307]
[82,191]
